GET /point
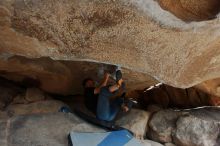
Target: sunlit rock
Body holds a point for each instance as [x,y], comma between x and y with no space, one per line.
[124,33]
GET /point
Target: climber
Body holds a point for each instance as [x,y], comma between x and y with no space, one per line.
[98,99]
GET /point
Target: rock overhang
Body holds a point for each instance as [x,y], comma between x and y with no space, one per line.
[113,32]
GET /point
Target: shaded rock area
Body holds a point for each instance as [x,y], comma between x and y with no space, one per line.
[7,92]
[64,77]
[21,101]
[32,118]
[40,107]
[3,115]
[167,96]
[51,76]
[34,94]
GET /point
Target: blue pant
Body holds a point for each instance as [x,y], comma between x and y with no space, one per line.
[107,110]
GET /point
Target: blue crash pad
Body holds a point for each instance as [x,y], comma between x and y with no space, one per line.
[114,138]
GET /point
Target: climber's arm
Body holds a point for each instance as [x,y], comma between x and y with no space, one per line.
[102,84]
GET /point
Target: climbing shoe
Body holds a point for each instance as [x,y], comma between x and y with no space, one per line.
[118,75]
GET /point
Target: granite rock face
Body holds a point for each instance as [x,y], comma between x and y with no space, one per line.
[124,33]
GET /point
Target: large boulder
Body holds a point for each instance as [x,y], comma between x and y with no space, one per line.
[162,125]
[44,129]
[139,123]
[191,127]
[200,128]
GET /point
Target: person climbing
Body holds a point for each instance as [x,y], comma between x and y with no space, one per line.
[98,99]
